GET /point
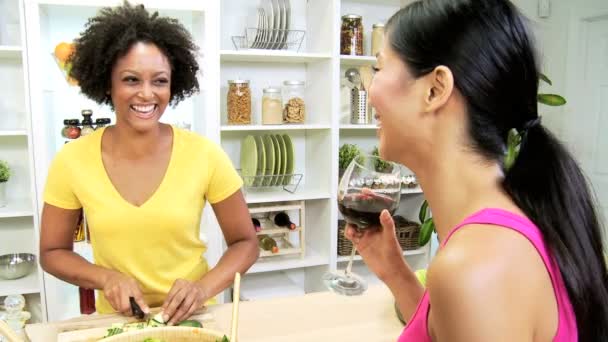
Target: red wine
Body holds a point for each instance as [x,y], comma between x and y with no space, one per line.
[363,210]
[282,220]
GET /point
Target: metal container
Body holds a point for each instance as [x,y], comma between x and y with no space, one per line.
[15,266]
[359,115]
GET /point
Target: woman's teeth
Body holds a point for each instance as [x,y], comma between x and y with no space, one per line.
[144,112]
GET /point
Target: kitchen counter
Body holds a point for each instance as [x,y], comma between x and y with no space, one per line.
[312,317]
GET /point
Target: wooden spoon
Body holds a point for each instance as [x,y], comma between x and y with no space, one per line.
[8,333]
[366,77]
[236,296]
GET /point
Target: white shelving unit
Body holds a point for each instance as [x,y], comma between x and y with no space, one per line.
[18,222]
[212,24]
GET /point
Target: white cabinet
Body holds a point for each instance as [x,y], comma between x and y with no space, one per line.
[213,24]
[18,222]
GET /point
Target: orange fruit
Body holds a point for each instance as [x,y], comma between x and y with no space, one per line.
[63,51]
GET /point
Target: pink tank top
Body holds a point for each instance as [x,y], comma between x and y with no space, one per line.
[417,328]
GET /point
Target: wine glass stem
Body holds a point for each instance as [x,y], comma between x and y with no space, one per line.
[350,262]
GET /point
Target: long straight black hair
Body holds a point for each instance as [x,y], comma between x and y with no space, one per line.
[487,46]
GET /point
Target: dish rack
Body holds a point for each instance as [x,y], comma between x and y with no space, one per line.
[266,39]
[288,182]
[281,235]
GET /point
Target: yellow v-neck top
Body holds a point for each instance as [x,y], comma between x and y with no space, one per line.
[159,241]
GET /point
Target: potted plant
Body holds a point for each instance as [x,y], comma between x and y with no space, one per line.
[513,142]
[347,153]
[5,174]
[381,165]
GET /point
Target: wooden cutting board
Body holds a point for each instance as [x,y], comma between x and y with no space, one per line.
[93,327]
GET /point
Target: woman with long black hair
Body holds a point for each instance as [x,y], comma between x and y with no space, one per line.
[521,256]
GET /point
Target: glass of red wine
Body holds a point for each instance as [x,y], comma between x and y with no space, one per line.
[368,186]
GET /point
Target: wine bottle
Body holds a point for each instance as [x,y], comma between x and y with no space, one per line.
[257,225]
[282,220]
[268,244]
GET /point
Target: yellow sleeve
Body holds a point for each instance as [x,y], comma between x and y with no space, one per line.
[58,190]
[224,180]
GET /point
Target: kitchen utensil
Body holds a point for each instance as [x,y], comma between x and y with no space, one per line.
[270,159]
[290,158]
[353,76]
[8,333]
[249,159]
[136,309]
[278,160]
[261,169]
[16,265]
[235,307]
[283,151]
[366,77]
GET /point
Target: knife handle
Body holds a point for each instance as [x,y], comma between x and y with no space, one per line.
[137,311]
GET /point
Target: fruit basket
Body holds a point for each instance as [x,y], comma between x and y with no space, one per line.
[407,235]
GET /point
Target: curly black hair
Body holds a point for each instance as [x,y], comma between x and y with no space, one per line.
[113,31]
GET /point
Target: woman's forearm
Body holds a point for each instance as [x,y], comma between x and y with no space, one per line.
[73,268]
[406,289]
[238,258]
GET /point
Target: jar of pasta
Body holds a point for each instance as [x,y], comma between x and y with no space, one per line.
[295,106]
[239,102]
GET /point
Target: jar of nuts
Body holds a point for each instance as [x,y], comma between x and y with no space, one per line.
[239,102]
[295,107]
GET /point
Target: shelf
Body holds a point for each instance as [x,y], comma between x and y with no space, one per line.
[10,52]
[17,208]
[285,127]
[278,263]
[283,196]
[419,251]
[278,231]
[271,56]
[13,133]
[358,127]
[412,191]
[25,285]
[271,285]
[357,60]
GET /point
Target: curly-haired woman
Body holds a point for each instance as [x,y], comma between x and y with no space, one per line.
[142,184]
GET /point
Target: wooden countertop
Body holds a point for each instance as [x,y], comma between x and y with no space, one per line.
[312,317]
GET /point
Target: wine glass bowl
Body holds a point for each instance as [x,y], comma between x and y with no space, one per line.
[369,186]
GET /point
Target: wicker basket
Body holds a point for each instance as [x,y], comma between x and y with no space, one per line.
[172,334]
[407,234]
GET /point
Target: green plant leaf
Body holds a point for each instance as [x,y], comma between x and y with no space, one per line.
[544,78]
[551,99]
[423,211]
[513,141]
[426,231]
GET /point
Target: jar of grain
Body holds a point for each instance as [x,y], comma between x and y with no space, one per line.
[272,106]
[351,35]
[377,38]
[295,106]
[239,102]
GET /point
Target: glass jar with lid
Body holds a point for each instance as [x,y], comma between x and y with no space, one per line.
[377,38]
[72,130]
[102,122]
[351,35]
[239,102]
[272,106]
[87,127]
[295,107]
